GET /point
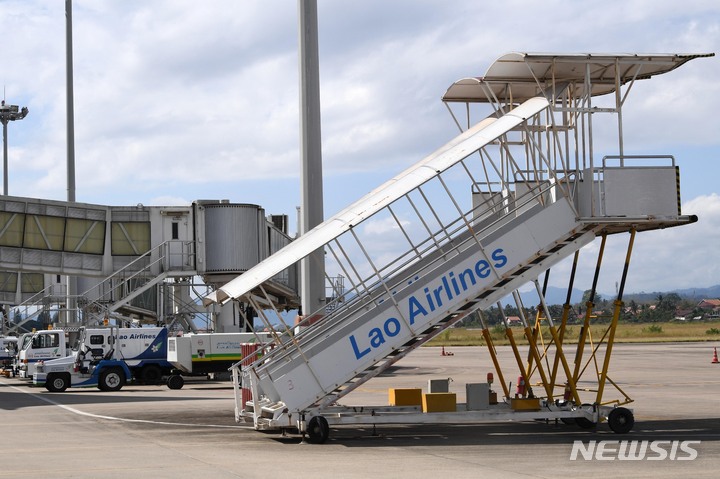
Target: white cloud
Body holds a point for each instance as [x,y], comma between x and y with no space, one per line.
[661,260]
[177,100]
[681,257]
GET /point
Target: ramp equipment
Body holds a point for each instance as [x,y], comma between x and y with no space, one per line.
[493,209]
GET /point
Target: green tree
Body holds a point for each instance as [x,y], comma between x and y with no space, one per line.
[586,297]
[633,306]
[670,302]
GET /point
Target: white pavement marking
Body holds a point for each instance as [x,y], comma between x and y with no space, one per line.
[112,418]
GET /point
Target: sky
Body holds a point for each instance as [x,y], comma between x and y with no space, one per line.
[179,100]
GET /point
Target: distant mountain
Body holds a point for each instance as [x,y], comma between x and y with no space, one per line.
[555,295]
[712,292]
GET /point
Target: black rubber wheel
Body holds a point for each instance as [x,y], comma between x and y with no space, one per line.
[57,383]
[111,379]
[151,374]
[175,382]
[584,422]
[318,430]
[621,420]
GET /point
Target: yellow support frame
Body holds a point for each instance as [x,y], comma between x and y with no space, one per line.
[550,376]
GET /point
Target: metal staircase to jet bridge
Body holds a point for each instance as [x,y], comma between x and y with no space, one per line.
[112,296]
[167,260]
[485,214]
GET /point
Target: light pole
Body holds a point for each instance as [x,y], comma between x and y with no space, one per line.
[9,113]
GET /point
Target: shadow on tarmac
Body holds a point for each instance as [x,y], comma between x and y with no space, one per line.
[12,399]
[515,433]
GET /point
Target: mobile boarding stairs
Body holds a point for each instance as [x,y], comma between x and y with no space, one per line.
[492,210]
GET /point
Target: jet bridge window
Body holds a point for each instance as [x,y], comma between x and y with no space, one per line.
[130,238]
[44,232]
[32,282]
[85,236]
[8,282]
[12,226]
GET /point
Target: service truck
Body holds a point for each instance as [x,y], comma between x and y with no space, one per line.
[42,346]
[108,358]
[209,353]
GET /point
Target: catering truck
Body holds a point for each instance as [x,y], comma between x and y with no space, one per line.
[108,358]
[209,353]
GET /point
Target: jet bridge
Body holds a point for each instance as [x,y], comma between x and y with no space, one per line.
[123,255]
[490,211]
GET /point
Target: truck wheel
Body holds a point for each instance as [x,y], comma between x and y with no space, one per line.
[318,430]
[57,383]
[584,422]
[111,379]
[621,420]
[175,382]
[150,374]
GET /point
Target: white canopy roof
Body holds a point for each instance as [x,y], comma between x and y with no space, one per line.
[520,75]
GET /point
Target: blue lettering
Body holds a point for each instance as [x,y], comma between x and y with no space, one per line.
[499,258]
[467,273]
[451,285]
[415,309]
[376,337]
[438,299]
[391,327]
[454,283]
[429,299]
[396,327]
[358,353]
[482,268]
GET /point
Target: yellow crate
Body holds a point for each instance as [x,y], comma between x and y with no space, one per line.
[525,404]
[405,397]
[439,402]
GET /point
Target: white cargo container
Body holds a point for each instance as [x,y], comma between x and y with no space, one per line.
[209,352]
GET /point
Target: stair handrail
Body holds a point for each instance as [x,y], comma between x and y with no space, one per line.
[357,302]
[162,254]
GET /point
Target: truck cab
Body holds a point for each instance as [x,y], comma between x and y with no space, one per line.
[94,364]
[96,344]
[43,346]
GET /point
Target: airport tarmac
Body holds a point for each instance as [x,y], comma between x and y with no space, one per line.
[155,432]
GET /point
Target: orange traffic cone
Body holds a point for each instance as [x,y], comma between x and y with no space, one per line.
[715,358]
[444,353]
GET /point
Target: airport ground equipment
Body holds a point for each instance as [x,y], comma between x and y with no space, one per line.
[8,351]
[108,358]
[208,353]
[523,186]
[42,345]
